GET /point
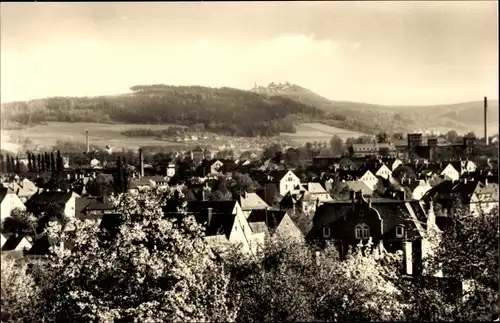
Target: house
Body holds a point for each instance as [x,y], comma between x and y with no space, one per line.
[17,242]
[449,172]
[252,201]
[8,202]
[477,196]
[317,192]
[224,221]
[285,180]
[171,170]
[157,180]
[95,163]
[23,188]
[216,166]
[49,201]
[384,172]
[484,198]
[393,163]
[3,239]
[417,187]
[391,224]
[357,186]
[464,166]
[139,185]
[369,179]
[91,209]
[273,222]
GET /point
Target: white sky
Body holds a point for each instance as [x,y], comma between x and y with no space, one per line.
[378,52]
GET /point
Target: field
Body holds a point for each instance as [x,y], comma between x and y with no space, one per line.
[46,136]
[311,132]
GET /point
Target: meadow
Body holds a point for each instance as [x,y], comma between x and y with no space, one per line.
[311,132]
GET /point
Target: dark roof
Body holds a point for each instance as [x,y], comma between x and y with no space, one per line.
[392,212]
[47,197]
[277,175]
[3,192]
[272,218]
[13,241]
[222,218]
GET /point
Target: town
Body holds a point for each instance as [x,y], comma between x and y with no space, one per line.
[307,161]
[391,193]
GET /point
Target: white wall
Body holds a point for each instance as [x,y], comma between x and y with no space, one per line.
[9,203]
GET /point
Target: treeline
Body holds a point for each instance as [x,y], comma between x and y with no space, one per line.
[43,162]
[148,266]
[222,110]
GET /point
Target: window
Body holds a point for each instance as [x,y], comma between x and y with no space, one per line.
[326,232]
[362,231]
[400,231]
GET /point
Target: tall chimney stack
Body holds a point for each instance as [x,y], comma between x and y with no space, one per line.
[486,120]
[141,161]
[87,140]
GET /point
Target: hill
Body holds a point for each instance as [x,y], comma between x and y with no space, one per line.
[219,110]
[462,117]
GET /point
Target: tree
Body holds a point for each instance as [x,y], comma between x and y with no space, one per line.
[8,166]
[19,302]
[270,152]
[451,136]
[39,163]
[102,185]
[364,140]
[43,163]
[398,136]
[18,165]
[30,163]
[53,165]
[470,135]
[457,255]
[147,268]
[382,137]
[20,222]
[337,145]
[47,162]
[60,162]
[403,172]
[118,176]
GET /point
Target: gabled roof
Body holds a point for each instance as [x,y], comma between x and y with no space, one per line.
[222,218]
[357,186]
[277,175]
[46,197]
[272,218]
[252,201]
[14,240]
[3,192]
[315,188]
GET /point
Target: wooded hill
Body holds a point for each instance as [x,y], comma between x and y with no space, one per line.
[221,110]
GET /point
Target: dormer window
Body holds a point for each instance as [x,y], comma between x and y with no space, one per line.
[362,231]
[326,232]
[400,231]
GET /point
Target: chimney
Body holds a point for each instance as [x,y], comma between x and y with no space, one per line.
[317,258]
[87,141]
[209,215]
[141,163]
[486,120]
[408,257]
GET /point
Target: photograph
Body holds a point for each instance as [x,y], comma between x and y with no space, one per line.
[260,161]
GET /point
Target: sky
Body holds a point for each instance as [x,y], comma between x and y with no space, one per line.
[393,53]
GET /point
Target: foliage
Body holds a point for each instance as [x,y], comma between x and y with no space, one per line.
[152,269]
[220,110]
[458,254]
[19,292]
[20,222]
[382,137]
[337,145]
[289,282]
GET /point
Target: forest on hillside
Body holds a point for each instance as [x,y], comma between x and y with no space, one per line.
[221,110]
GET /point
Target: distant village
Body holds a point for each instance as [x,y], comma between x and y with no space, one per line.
[327,198]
